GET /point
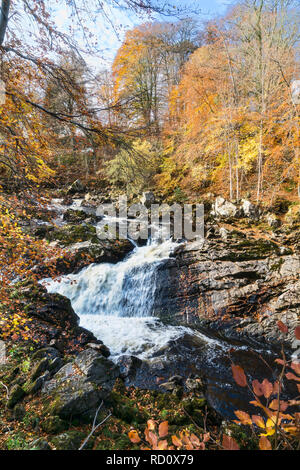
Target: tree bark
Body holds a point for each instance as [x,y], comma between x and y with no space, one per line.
[5,5]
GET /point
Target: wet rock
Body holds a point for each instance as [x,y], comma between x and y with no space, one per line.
[15,396]
[101,348]
[194,384]
[80,386]
[223,283]
[128,366]
[172,384]
[81,254]
[54,309]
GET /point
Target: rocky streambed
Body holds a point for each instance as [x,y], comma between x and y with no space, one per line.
[172,316]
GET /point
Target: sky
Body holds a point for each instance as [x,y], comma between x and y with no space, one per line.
[110,28]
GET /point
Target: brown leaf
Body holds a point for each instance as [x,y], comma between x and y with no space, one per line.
[258,420]
[163,429]
[264,443]
[257,389]
[243,417]
[195,440]
[267,388]
[274,405]
[177,442]
[296,367]
[239,375]
[291,376]
[229,443]
[151,425]
[162,445]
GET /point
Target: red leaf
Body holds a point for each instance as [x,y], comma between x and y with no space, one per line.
[297,332]
[257,389]
[229,443]
[239,375]
[282,327]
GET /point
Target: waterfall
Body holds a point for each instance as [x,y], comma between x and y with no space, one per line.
[115,301]
[126,289]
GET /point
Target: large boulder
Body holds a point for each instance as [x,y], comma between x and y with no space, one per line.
[250,210]
[224,209]
[80,386]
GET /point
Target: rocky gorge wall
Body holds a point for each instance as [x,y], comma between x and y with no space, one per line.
[234,285]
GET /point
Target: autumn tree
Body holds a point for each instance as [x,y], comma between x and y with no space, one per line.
[232,111]
[146,67]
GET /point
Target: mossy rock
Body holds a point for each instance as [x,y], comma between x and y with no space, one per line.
[71,440]
[16,395]
[126,409]
[74,216]
[116,443]
[31,388]
[247,250]
[39,369]
[54,425]
[71,234]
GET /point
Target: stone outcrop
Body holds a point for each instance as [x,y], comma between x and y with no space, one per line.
[236,286]
[53,319]
[80,386]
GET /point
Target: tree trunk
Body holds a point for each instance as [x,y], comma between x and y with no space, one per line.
[5,5]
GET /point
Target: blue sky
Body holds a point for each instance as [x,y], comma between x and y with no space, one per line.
[110,37]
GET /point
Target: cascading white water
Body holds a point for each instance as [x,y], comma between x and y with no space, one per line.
[115,301]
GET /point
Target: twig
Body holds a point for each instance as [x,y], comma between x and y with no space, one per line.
[6,388]
[94,427]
